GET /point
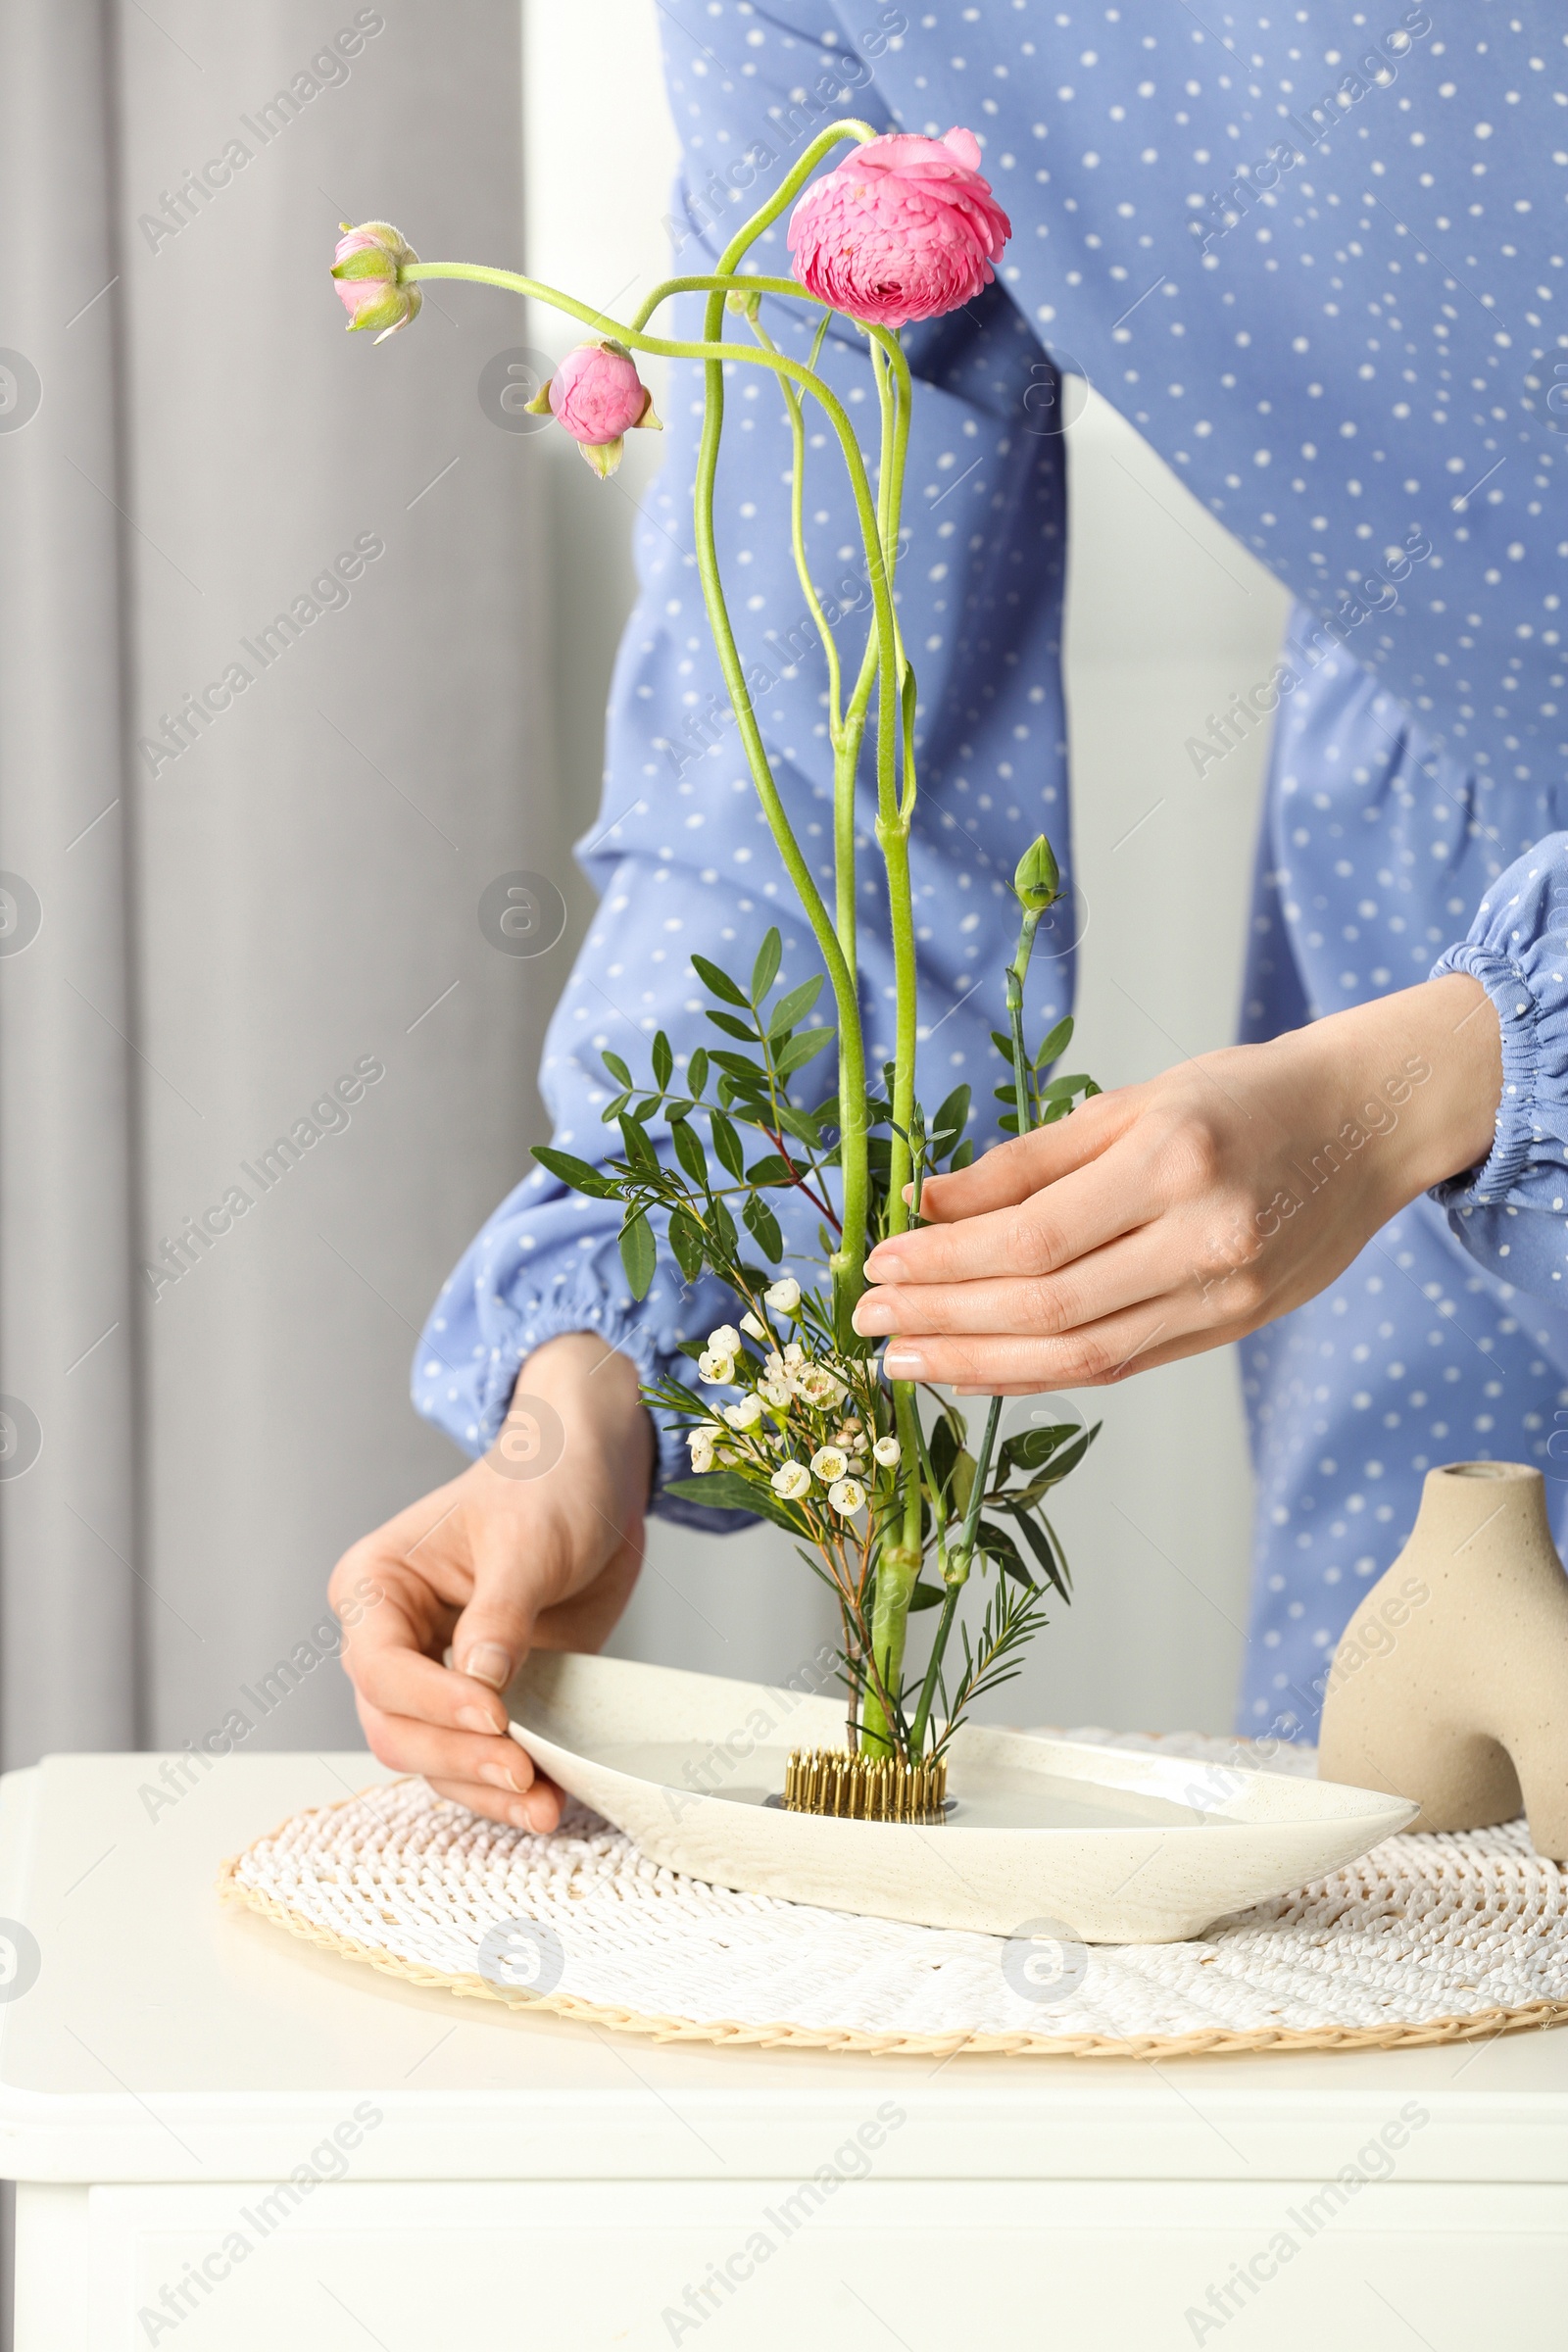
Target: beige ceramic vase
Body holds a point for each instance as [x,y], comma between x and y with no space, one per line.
[1450,1684]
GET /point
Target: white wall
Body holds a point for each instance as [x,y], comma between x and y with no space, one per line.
[1166,616]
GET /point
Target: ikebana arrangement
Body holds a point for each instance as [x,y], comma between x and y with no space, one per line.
[797,1424]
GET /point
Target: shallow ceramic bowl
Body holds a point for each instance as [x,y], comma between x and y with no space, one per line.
[1117,1847]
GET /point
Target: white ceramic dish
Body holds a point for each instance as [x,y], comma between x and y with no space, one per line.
[1115,1846]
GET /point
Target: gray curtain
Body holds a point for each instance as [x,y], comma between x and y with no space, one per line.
[252,916]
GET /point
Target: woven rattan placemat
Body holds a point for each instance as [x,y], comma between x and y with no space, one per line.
[1428,1938]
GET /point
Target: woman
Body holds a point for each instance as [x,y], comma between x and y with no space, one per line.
[1316,270]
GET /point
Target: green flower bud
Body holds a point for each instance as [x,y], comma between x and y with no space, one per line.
[1036,881]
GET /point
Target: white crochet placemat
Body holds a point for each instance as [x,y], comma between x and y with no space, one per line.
[1428,1938]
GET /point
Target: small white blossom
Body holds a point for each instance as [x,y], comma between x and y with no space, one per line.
[776,1393]
[830,1462]
[757,1330]
[700,1443]
[792,1480]
[794,1354]
[716,1367]
[887,1452]
[846,1496]
[744,1414]
[784,1296]
[818,1387]
[725,1340]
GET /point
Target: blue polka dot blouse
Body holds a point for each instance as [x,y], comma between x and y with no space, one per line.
[1315,254]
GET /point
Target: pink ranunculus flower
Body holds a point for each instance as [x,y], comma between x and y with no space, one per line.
[598,395]
[366,268]
[906,228]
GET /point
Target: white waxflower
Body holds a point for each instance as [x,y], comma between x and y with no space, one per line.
[792,1480]
[846,1496]
[725,1340]
[784,1296]
[830,1462]
[794,1354]
[887,1452]
[745,1414]
[700,1443]
[818,1387]
[757,1330]
[716,1367]
[776,1393]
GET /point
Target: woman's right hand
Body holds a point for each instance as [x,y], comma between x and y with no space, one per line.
[535,1546]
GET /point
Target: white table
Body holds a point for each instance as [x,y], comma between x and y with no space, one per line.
[529,2183]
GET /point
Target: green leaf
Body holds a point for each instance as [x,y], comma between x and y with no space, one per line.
[1055,1044]
[728,1491]
[996,1542]
[613,1109]
[664,1061]
[727,1143]
[963,1156]
[1052,1112]
[638,1150]
[577,1173]
[723,1224]
[1056,1087]
[800,1050]
[802,1124]
[765,971]
[792,1009]
[1003,1044]
[927,1596]
[733,1027]
[687,1241]
[1033,1446]
[697,1070]
[618,1069]
[954,1115]
[689,1151]
[1036,1539]
[718,984]
[695,1348]
[772,1169]
[638,1254]
[762,1224]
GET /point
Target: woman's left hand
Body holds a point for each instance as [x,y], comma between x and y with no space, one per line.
[1169,1217]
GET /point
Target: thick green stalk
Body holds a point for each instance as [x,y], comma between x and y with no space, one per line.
[1016,971]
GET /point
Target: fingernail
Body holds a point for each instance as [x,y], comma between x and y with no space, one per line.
[499,1775]
[885,1264]
[873,1316]
[536,1811]
[902,1362]
[488,1663]
[520,1816]
[474,1719]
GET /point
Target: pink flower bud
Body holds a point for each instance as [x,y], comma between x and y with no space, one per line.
[906,228]
[366,267]
[598,395]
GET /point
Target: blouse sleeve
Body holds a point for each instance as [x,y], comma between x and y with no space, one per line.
[1511,1212]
